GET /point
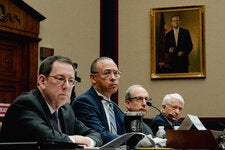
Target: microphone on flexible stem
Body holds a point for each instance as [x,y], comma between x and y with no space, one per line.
[101,98]
[150,105]
[170,116]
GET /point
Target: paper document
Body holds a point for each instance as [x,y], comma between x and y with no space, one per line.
[117,142]
[189,121]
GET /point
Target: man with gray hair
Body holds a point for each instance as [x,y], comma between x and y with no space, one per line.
[171,110]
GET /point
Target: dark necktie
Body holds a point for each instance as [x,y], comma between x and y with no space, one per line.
[56,121]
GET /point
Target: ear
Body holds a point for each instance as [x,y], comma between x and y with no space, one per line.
[42,81]
[127,104]
[163,106]
[92,77]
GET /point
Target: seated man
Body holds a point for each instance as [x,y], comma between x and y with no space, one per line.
[95,107]
[135,100]
[172,106]
[43,114]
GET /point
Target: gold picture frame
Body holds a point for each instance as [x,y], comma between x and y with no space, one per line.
[182,60]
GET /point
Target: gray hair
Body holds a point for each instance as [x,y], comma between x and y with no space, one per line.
[167,99]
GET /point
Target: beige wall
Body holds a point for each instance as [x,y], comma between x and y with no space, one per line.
[72,29]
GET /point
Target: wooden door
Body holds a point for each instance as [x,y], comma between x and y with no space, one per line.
[19,30]
[14,68]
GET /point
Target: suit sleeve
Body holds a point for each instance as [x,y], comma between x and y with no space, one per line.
[93,116]
[82,129]
[25,122]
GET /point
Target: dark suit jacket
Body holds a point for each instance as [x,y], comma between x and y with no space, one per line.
[146,129]
[28,119]
[89,109]
[179,63]
[160,120]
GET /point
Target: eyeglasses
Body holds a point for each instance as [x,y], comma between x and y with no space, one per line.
[108,73]
[176,107]
[175,20]
[141,99]
[62,80]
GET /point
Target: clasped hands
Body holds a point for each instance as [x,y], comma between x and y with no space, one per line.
[180,53]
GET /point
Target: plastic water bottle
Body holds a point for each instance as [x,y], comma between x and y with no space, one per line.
[161,133]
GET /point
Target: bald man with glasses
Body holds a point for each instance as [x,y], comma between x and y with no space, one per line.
[95,108]
[136,98]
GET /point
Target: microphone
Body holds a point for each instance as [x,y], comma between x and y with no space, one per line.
[101,98]
[172,117]
[150,105]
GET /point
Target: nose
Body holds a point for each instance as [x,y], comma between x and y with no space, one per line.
[113,75]
[144,102]
[177,111]
[66,83]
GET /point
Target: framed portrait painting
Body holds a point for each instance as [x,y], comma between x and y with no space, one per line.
[177,42]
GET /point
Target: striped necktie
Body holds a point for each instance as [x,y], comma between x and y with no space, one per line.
[112,119]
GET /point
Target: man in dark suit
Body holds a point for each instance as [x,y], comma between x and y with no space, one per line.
[93,107]
[136,98]
[178,45]
[43,114]
[171,110]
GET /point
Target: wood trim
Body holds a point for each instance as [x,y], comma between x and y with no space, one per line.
[109,32]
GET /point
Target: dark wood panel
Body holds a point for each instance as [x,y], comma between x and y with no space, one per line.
[7,93]
[19,30]
[10,60]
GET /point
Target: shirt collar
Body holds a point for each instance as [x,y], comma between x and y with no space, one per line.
[177,29]
[50,108]
[99,94]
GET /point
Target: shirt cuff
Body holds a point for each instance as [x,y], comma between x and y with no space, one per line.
[72,139]
[93,143]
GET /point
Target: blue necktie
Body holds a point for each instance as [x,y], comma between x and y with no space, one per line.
[112,119]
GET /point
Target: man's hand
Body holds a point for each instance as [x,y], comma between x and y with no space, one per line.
[81,140]
[171,49]
[181,53]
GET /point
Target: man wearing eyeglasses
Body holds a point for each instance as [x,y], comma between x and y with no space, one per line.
[43,114]
[171,110]
[95,107]
[136,98]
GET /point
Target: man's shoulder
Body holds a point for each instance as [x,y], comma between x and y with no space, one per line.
[169,33]
[26,97]
[158,117]
[89,98]
[183,30]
